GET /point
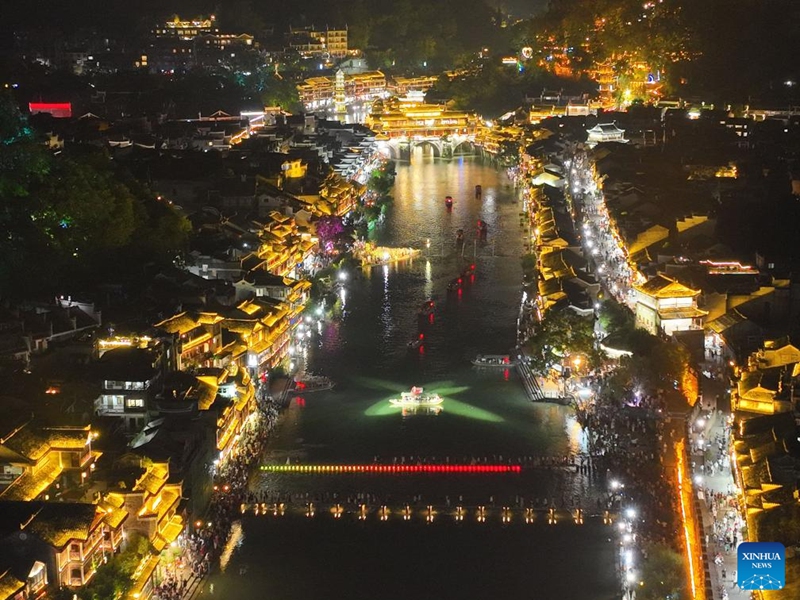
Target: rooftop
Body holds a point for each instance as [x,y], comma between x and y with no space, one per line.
[662,286]
[55,523]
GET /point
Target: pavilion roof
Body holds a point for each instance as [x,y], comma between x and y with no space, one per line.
[662,286]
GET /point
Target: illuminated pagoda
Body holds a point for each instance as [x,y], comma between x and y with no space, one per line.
[664,304]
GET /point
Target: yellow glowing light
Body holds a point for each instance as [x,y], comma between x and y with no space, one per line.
[692,545]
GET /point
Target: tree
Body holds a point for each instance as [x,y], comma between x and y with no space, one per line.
[559,334]
[615,317]
[72,219]
[381,180]
[329,231]
[663,575]
[88,212]
[280,92]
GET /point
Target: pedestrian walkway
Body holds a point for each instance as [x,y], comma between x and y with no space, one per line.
[718,509]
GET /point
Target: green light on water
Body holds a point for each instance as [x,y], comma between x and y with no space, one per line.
[462,409]
[446,389]
[379,384]
[382,408]
[450,391]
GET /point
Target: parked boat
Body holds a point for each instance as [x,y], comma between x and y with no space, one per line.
[312,383]
[494,360]
[417,397]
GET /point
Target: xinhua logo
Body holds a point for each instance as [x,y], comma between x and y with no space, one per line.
[761,566]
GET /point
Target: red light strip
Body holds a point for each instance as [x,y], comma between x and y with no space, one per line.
[393,469]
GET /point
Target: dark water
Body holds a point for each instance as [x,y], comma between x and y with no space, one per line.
[485,414]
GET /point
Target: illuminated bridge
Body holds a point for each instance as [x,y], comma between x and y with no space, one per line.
[393,469]
[401,126]
[430,513]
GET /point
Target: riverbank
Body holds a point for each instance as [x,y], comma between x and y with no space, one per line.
[629,437]
[209,535]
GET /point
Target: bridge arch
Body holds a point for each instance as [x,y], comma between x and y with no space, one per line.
[434,145]
[464,147]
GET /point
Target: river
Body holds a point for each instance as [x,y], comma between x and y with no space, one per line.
[485,416]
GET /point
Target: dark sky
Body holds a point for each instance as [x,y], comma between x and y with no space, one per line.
[14,13]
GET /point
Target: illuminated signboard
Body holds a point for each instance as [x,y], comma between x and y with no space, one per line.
[57,109]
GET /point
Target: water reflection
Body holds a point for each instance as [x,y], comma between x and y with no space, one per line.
[484,414]
[428,279]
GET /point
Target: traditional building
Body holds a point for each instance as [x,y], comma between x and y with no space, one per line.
[33,459]
[195,337]
[263,331]
[57,543]
[145,491]
[766,385]
[665,305]
[766,458]
[316,92]
[606,132]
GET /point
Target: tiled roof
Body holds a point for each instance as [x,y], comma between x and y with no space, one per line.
[664,287]
[27,443]
[154,478]
[58,523]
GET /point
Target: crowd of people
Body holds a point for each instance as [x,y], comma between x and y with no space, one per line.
[202,546]
[631,444]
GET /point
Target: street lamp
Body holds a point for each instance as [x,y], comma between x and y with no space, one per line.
[342,276]
[630,513]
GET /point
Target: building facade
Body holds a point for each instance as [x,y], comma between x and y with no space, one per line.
[664,305]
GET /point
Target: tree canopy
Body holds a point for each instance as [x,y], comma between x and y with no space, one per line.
[663,574]
[560,334]
[72,219]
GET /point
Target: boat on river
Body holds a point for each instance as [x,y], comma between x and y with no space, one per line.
[411,411]
[428,307]
[312,383]
[448,202]
[417,397]
[494,360]
[414,344]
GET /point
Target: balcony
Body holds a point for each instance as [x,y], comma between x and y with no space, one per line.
[106,409]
